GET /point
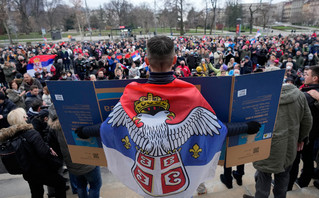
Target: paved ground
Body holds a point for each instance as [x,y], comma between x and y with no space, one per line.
[16,187]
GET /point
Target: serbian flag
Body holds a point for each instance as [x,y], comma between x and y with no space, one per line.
[258,33]
[36,63]
[123,66]
[162,140]
[135,55]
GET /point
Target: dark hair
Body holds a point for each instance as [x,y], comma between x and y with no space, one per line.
[33,87]
[314,70]
[160,51]
[36,104]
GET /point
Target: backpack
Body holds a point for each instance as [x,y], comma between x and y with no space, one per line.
[9,157]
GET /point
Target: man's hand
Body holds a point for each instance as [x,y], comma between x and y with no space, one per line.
[53,152]
[300,146]
[79,132]
[253,127]
[313,93]
[1,117]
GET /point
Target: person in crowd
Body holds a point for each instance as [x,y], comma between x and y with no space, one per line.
[28,81]
[21,65]
[246,65]
[92,77]
[134,72]
[32,96]
[37,160]
[311,83]
[64,55]
[38,76]
[119,74]
[101,76]
[292,127]
[9,70]
[86,178]
[204,68]
[15,95]
[46,98]
[299,60]
[184,68]
[34,109]
[5,107]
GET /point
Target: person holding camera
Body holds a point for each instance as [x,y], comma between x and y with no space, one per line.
[80,65]
[246,65]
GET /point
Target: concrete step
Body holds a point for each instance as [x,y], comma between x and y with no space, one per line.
[15,187]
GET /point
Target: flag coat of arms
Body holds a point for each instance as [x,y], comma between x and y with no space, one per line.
[36,63]
[162,140]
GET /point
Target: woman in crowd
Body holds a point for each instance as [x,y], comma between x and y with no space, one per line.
[35,157]
[15,95]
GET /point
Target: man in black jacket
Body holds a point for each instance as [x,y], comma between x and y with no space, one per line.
[311,83]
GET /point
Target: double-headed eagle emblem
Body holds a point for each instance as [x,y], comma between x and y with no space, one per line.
[150,131]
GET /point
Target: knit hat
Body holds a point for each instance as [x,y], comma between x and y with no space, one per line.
[224,67]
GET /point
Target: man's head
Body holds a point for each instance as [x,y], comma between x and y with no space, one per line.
[160,54]
[27,78]
[34,90]
[36,105]
[100,74]
[312,75]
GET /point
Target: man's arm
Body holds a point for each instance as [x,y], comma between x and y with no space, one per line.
[86,132]
[236,128]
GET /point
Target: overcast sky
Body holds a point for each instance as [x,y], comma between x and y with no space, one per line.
[198,4]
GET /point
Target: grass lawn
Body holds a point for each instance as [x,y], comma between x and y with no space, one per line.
[284,28]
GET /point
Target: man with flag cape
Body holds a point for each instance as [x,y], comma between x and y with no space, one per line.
[163,138]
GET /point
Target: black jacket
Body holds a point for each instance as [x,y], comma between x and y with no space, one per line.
[314,133]
[5,109]
[34,154]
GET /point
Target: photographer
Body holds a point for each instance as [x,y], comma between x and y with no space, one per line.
[21,65]
[245,65]
[80,65]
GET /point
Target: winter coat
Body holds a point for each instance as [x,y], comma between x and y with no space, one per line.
[29,99]
[56,138]
[5,109]
[293,125]
[9,75]
[314,133]
[34,154]
[15,97]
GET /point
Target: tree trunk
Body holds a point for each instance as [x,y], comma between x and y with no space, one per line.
[8,31]
[182,22]
[79,25]
[251,20]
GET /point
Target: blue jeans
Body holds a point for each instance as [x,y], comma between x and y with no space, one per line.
[92,178]
[263,184]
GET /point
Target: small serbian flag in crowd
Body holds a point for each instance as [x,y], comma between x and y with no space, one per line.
[135,55]
[37,63]
[123,66]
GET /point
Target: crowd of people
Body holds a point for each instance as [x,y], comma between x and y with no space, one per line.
[26,97]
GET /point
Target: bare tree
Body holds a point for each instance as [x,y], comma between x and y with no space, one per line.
[265,13]
[251,18]
[179,6]
[120,9]
[50,7]
[21,6]
[4,14]
[77,4]
[213,24]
